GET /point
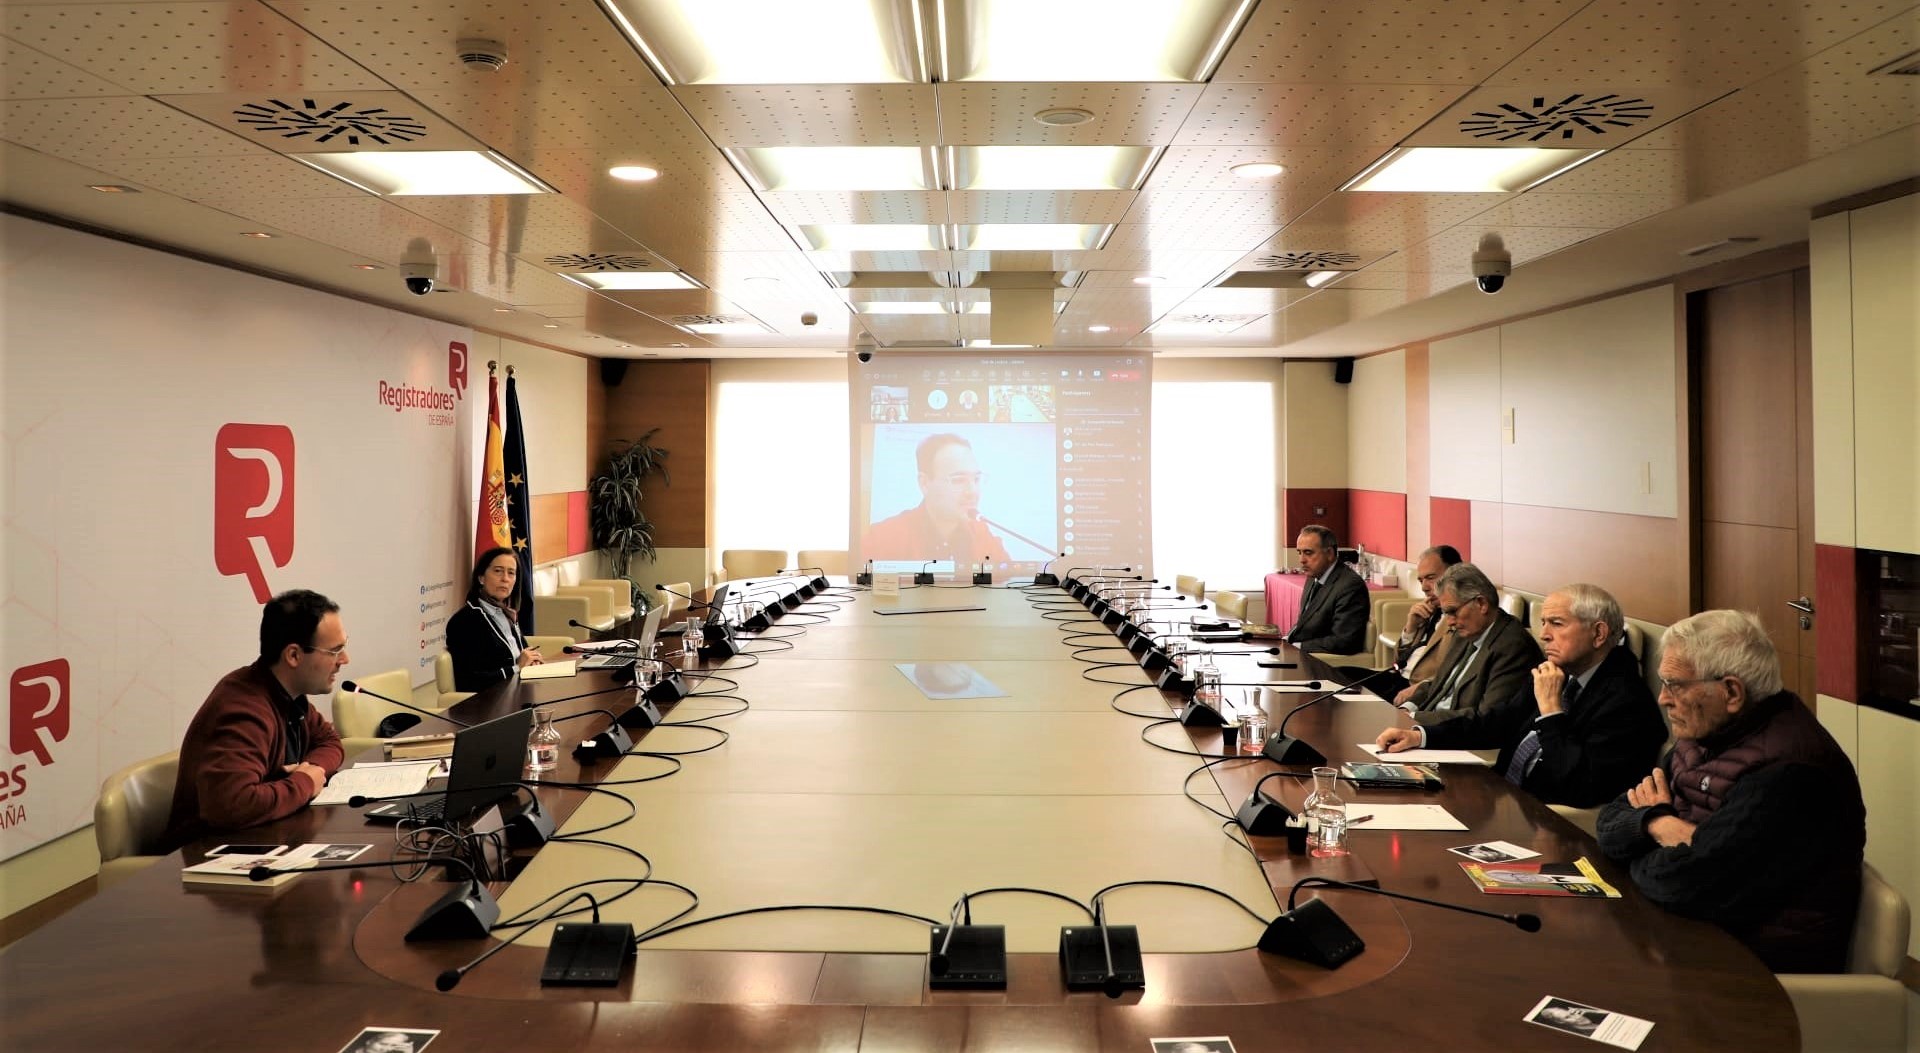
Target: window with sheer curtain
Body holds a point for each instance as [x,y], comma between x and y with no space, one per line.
[782,488]
[1214,488]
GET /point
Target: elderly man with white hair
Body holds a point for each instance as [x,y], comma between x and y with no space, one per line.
[1583,729]
[1754,820]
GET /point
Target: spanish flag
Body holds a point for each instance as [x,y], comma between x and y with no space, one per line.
[490,527]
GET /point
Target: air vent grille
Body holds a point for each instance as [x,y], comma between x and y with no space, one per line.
[342,122]
[1307,261]
[1569,117]
[710,319]
[597,262]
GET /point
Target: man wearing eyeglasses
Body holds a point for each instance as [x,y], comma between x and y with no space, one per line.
[946,524]
[258,750]
[1492,652]
[1754,821]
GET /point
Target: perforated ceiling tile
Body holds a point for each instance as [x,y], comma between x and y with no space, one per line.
[1646,43]
[166,48]
[1386,41]
[1566,116]
[813,114]
[1346,115]
[367,226]
[1248,208]
[28,74]
[1638,170]
[1376,222]
[981,114]
[1577,210]
[234,183]
[894,328]
[1251,301]
[852,206]
[1455,247]
[1038,206]
[1142,237]
[504,218]
[787,273]
[1314,170]
[1115,267]
[100,131]
[319,122]
[843,262]
[711,223]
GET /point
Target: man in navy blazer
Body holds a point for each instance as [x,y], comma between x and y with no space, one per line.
[1333,607]
[1585,727]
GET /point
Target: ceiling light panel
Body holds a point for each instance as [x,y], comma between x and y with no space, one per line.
[1039,206]
[1466,169]
[1050,167]
[1405,43]
[899,307]
[1111,40]
[780,168]
[800,114]
[630,280]
[775,41]
[873,237]
[992,237]
[1140,114]
[404,173]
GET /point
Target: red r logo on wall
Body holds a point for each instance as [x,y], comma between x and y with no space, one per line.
[252,502]
[38,699]
[457,368]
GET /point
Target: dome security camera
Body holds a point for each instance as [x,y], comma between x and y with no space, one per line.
[809,318]
[419,277]
[865,354]
[1491,265]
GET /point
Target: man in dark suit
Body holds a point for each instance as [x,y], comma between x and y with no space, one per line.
[1490,656]
[1333,606]
[1586,727]
[1426,639]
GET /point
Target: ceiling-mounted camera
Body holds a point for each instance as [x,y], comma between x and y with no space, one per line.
[419,276]
[809,318]
[1491,265]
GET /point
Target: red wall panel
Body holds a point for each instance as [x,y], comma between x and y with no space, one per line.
[1452,524]
[1836,630]
[1325,506]
[1379,521]
[579,538]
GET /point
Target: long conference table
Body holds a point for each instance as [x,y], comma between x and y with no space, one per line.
[850,782]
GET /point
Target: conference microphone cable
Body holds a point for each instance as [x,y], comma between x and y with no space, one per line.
[1097,898]
[667,929]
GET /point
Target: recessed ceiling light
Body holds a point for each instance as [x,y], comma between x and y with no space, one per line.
[902,307]
[838,167]
[633,173]
[1050,167]
[366,267]
[711,328]
[112,188]
[1318,278]
[401,173]
[872,237]
[255,234]
[1117,40]
[989,343]
[1466,169]
[774,41]
[1022,237]
[1063,117]
[629,280]
[503,310]
[550,325]
[986,307]
[1148,279]
[1099,329]
[1258,170]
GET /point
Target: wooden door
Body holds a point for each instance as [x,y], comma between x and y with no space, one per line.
[1752,352]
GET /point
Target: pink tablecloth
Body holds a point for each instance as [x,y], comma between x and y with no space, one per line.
[1283,597]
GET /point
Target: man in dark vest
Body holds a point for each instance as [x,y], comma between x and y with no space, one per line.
[1754,820]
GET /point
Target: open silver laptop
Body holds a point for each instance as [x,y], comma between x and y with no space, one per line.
[649,628]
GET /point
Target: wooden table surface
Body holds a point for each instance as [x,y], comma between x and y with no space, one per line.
[148,965]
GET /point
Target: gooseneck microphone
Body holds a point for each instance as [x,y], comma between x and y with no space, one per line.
[589,628]
[684,596]
[1283,750]
[467,911]
[450,978]
[355,689]
[1313,933]
[923,576]
[1044,578]
[1012,533]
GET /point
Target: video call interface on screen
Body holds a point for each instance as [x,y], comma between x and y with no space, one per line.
[1001,462]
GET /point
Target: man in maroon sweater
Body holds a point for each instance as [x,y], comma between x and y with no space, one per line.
[257,750]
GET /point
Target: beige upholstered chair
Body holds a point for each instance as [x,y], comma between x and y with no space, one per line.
[675,597]
[622,590]
[1389,616]
[131,815]
[1587,819]
[356,715]
[1515,604]
[552,648]
[600,604]
[551,615]
[1231,604]
[1188,585]
[1863,1010]
[739,563]
[831,561]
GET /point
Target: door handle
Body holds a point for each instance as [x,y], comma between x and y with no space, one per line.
[1804,605]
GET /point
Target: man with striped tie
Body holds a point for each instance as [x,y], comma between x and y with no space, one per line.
[1586,727]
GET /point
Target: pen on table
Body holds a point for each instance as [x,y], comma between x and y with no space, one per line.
[1362,819]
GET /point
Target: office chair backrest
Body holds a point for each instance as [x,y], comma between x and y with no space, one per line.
[1188,585]
[357,716]
[740,563]
[831,561]
[1880,929]
[131,815]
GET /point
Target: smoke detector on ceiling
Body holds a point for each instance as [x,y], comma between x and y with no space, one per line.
[1063,117]
[481,55]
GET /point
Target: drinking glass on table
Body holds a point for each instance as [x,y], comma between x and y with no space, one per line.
[1253,737]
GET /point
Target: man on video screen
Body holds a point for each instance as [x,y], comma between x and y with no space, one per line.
[946,523]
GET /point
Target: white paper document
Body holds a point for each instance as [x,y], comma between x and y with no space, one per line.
[548,670]
[1399,817]
[1572,1018]
[377,780]
[1424,756]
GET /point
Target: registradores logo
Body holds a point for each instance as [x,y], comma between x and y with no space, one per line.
[39,715]
[253,487]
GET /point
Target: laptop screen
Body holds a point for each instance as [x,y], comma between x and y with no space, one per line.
[717,606]
[649,628]
[485,757]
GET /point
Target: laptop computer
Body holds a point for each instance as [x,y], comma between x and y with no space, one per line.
[487,759]
[649,629]
[717,605]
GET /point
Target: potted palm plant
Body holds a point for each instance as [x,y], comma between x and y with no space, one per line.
[620,527]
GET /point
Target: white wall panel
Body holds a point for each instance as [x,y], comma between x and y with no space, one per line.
[1591,390]
[1463,416]
[1886,374]
[553,394]
[1315,425]
[1830,259]
[1377,424]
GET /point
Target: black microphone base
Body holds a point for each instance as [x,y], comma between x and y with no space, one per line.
[976,958]
[587,955]
[1171,680]
[669,690]
[1285,749]
[984,577]
[1200,715]
[720,650]
[1314,934]
[642,716]
[761,622]
[1046,579]
[466,912]
[792,600]
[922,578]
[1263,816]
[1083,959]
[613,742]
[863,578]
[1153,659]
[820,583]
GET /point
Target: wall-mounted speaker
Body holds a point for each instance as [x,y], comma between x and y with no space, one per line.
[1342,370]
